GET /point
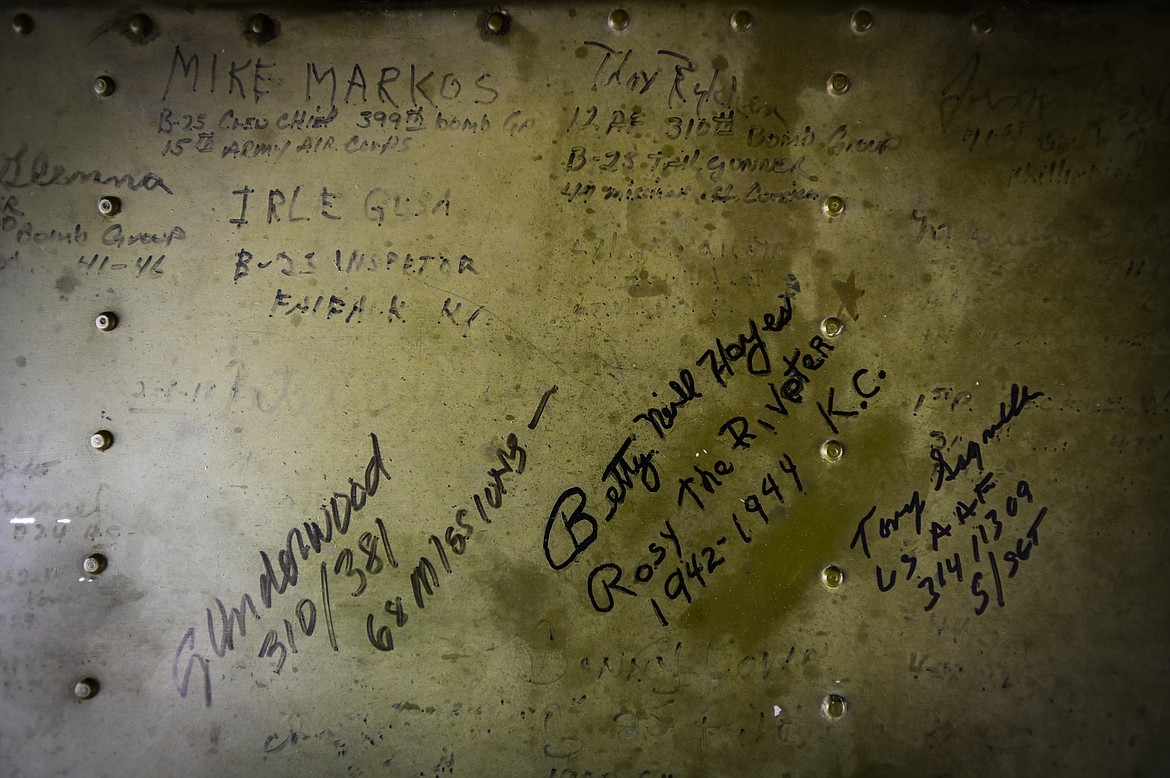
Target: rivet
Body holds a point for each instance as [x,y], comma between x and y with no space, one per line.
[85,689]
[834,706]
[832,577]
[22,24]
[834,206]
[832,451]
[109,206]
[140,25]
[838,84]
[106,321]
[831,327]
[619,19]
[741,21]
[94,564]
[262,27]
[862,20]
[101,440]
[497,23]
[982,24]
[103,86]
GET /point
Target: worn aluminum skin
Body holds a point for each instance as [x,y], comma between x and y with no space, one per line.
[567,389]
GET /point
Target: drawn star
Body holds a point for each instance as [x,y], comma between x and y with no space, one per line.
[849,293]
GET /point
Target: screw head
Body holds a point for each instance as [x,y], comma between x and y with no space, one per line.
[262,27]
[140,25]
[834,706]
[85,689]
[831,327]
[619,19]
[834,206]
[862,20]
[832,577]
[101,440]
[742,21]
[838,84]
[94,564]
[109,206]
[982,24]
[103,86]
[22,24]
[832,451]
[106,321]
[497,23]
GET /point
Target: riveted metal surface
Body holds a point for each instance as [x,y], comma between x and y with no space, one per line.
[566,389]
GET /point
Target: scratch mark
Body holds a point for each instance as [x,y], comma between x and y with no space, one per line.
[540,408]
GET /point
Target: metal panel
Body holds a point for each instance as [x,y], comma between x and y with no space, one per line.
[561,389]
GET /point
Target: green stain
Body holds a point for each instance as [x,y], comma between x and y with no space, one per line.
[765,581]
